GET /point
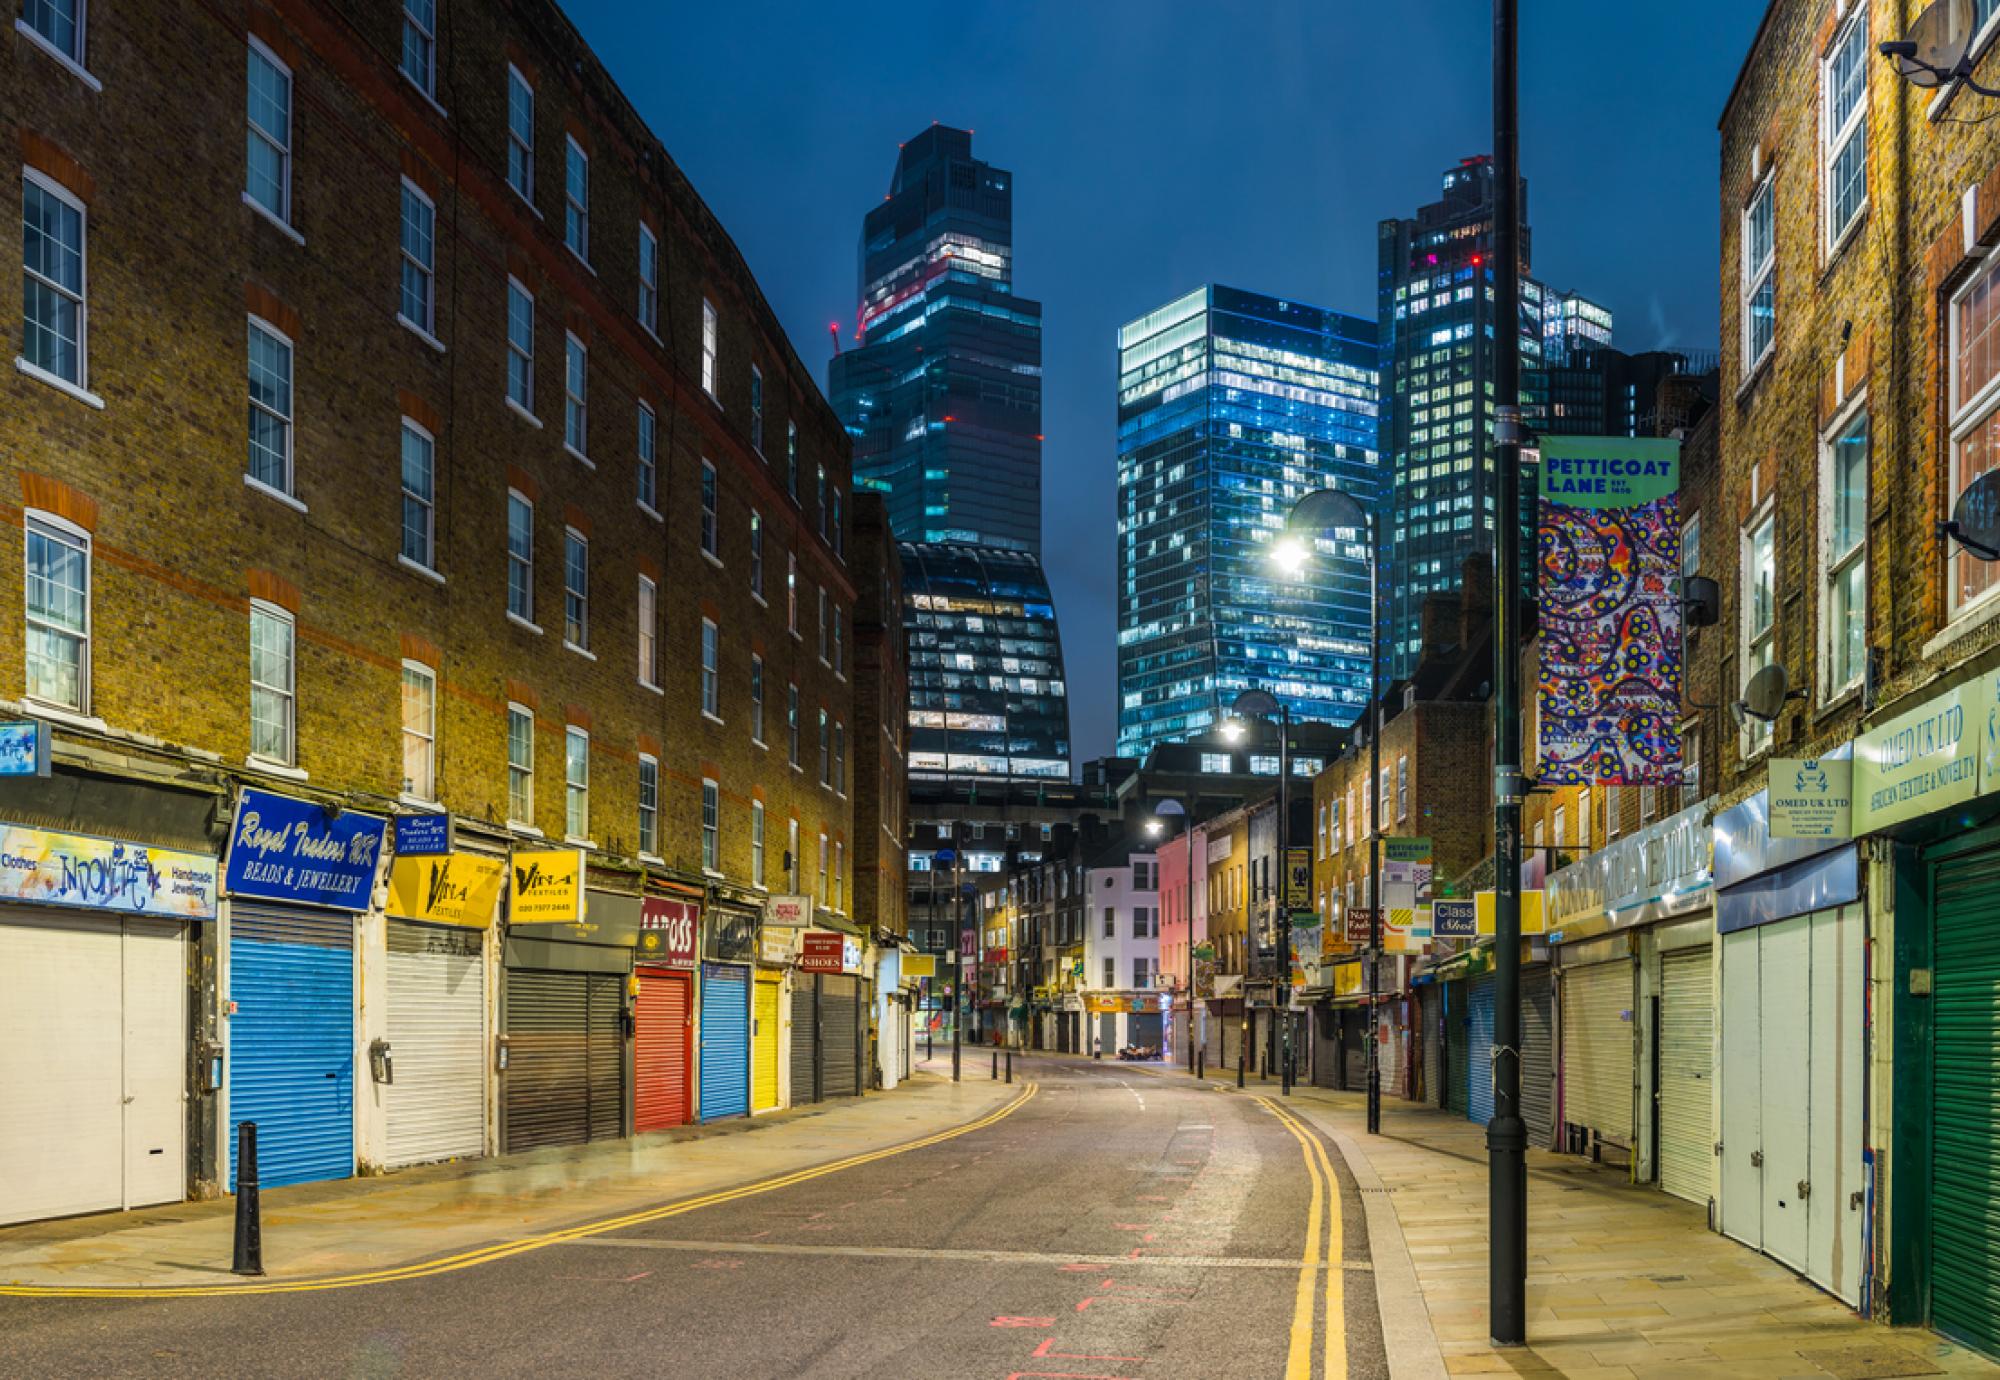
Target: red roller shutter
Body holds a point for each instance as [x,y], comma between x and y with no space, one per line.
[660,1050]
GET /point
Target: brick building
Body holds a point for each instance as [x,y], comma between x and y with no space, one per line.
[440,454]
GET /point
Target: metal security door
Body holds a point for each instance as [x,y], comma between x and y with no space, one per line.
[1430,1006]
[1538,1053]
[725,1041]
[1326,1047]
[1785,1051]
[1965,1101]
[1457,1042]
[1597,1049]
[291,1042]
[565,1081]
[764,1045]
[660,1050]
[840,1034]
[1687,1083]
[805,1039]
[1741,1170]
[436,1105]
[1479,1047]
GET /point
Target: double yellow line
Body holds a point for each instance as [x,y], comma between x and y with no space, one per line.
[521,1245]
[1324,1204]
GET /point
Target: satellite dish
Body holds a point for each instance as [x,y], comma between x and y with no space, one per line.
[1975,518]
[1701,597]
[1764,697]
[1936,45]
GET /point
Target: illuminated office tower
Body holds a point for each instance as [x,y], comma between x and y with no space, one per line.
[942,389]
[1231,405]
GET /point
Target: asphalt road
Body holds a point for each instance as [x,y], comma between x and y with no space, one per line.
[1116,1224]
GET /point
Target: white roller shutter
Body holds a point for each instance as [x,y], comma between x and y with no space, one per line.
[437,1041]
[1597,1049]
[1687,1026]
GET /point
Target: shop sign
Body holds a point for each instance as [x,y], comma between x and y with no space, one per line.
[1662,871]
[1346,979]
[919,965]
[788,910]
[1924,760]
[457,889]
[1298,877]
[429,834]
[548,887]
[1406,888]
[668,928]
[829,951]
[995,958]
[1533,920]
[1115,1003]
[1204,951]
[1456,919]
[300,853]
[731,935]
[1218,849]
[1359,920]
[1812,798]
[104,874]
[25,747]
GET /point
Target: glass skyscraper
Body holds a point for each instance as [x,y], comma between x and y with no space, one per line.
[942,391]
[1231,406]
[987,695]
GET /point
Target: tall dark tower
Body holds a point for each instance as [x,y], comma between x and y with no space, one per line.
[943,390]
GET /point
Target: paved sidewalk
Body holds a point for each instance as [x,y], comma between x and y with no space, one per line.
[357,1225]
[1624,1282]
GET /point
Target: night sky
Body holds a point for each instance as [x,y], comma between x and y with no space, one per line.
[1159,144]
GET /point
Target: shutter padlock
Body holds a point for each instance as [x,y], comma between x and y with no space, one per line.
[1805,1190]
[1757,1159]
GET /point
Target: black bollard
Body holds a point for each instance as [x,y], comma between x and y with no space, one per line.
[1200,1058]
[249,1214]
[996,1064]
[1010,1066]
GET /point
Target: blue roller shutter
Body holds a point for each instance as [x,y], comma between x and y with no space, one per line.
[725,1041]
[291,1042]
[1479,1049]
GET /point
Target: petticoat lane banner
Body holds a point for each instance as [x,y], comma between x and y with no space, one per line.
[1610,612]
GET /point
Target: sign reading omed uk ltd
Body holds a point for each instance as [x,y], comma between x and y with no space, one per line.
[294,851]
[1923,760]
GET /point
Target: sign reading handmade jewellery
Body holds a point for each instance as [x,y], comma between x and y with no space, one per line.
[548,887]
[456,889]
[302,853]
[54,869]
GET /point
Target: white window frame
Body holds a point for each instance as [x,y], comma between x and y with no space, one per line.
[80,385]
[839,643]
[757,699]
[64,533]
[425,323]
[1751,641]
[792,592]
[793,862]
[649,279]
[825,749]
[756,409]
[1834,566]
[581,622]
[427,736]
[576,397]
[1754,276]
[757,845]
[525,819]
[525,187]
[427,82]
[648,436]
[825,873]
[649,812]
[286,694]
[525,563]
[1968,415]
[72,60]
[1834,141]
[576,793]
[711,329]
[285,488]
[649,633]
[711,826]
[524,353]
[823,659]
[757,555]
[576,212]
[711,670]
[279,141]
[428,563]
[792,725]
[711,509]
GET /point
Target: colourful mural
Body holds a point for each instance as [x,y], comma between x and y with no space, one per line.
[1609,692]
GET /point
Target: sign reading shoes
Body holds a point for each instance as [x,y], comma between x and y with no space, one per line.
[456,889]
[548,887]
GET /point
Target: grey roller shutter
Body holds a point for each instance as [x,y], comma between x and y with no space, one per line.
[1538,1051]
[840,1014]
[805,1039]
[436,981]
[564,1083]
[1431,1032]
[1597,1049]
[1687,1083]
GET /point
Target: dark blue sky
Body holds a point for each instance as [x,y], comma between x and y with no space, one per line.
[1159,144]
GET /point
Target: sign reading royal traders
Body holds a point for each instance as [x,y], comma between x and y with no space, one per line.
[300,853]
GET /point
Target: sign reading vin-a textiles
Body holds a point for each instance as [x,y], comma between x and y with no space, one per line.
[1609,692]
[301,853]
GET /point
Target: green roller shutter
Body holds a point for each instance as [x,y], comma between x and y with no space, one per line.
[1457,1048]
[1965,1102]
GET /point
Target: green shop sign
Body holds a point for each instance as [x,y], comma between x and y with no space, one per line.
[1940,754]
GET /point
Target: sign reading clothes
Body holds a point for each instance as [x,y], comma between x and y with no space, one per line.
[300,853]
[457,889]
[53,869]
[548,887]
[1609,692]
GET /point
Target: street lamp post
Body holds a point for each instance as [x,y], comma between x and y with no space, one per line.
[1264,704]
[1170,808]
[1318,513]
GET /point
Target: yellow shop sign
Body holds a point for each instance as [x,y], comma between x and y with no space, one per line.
[548,887]
[446,889]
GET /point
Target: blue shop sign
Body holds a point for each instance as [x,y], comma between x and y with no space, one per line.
[295,851]
[428,835]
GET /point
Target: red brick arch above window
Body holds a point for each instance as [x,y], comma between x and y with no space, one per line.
[576,716]
[263,302]
[264,27]
[524,483]
[65,501]
[420,411]
[649,745]
[53,161]
[421,173]
[273,589]
[422,650]
[577,519]
[520,692]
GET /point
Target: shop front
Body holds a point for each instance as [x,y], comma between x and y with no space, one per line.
[95,946]
[664,964]
[297,877]
[427,1050]
[563,1015]
[729,950]
[829,1001]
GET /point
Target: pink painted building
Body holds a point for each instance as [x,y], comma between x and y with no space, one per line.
[1175,938]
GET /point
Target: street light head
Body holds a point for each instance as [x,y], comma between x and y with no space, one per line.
[1232,729]
[1289,555]
[1154,828]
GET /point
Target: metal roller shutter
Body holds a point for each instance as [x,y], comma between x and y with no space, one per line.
[764,1045]
[660,1050]
[1430,1003]
[1326,1047]
[725,1041]
[1597,1049]
[1390,1050]
[436,1107]
[1965,1102]
[565,1078]
[291,1042]
[1538,1054]
[1479,998]
[805,1039]
[840,1014]
[1232,1040]
[1456,1043]
[1354,1048]
[1145,1029]
[1687,1028]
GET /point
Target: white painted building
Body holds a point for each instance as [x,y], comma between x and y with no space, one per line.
[1121,950]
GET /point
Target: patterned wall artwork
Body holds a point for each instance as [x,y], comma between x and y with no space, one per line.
[1609,692]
